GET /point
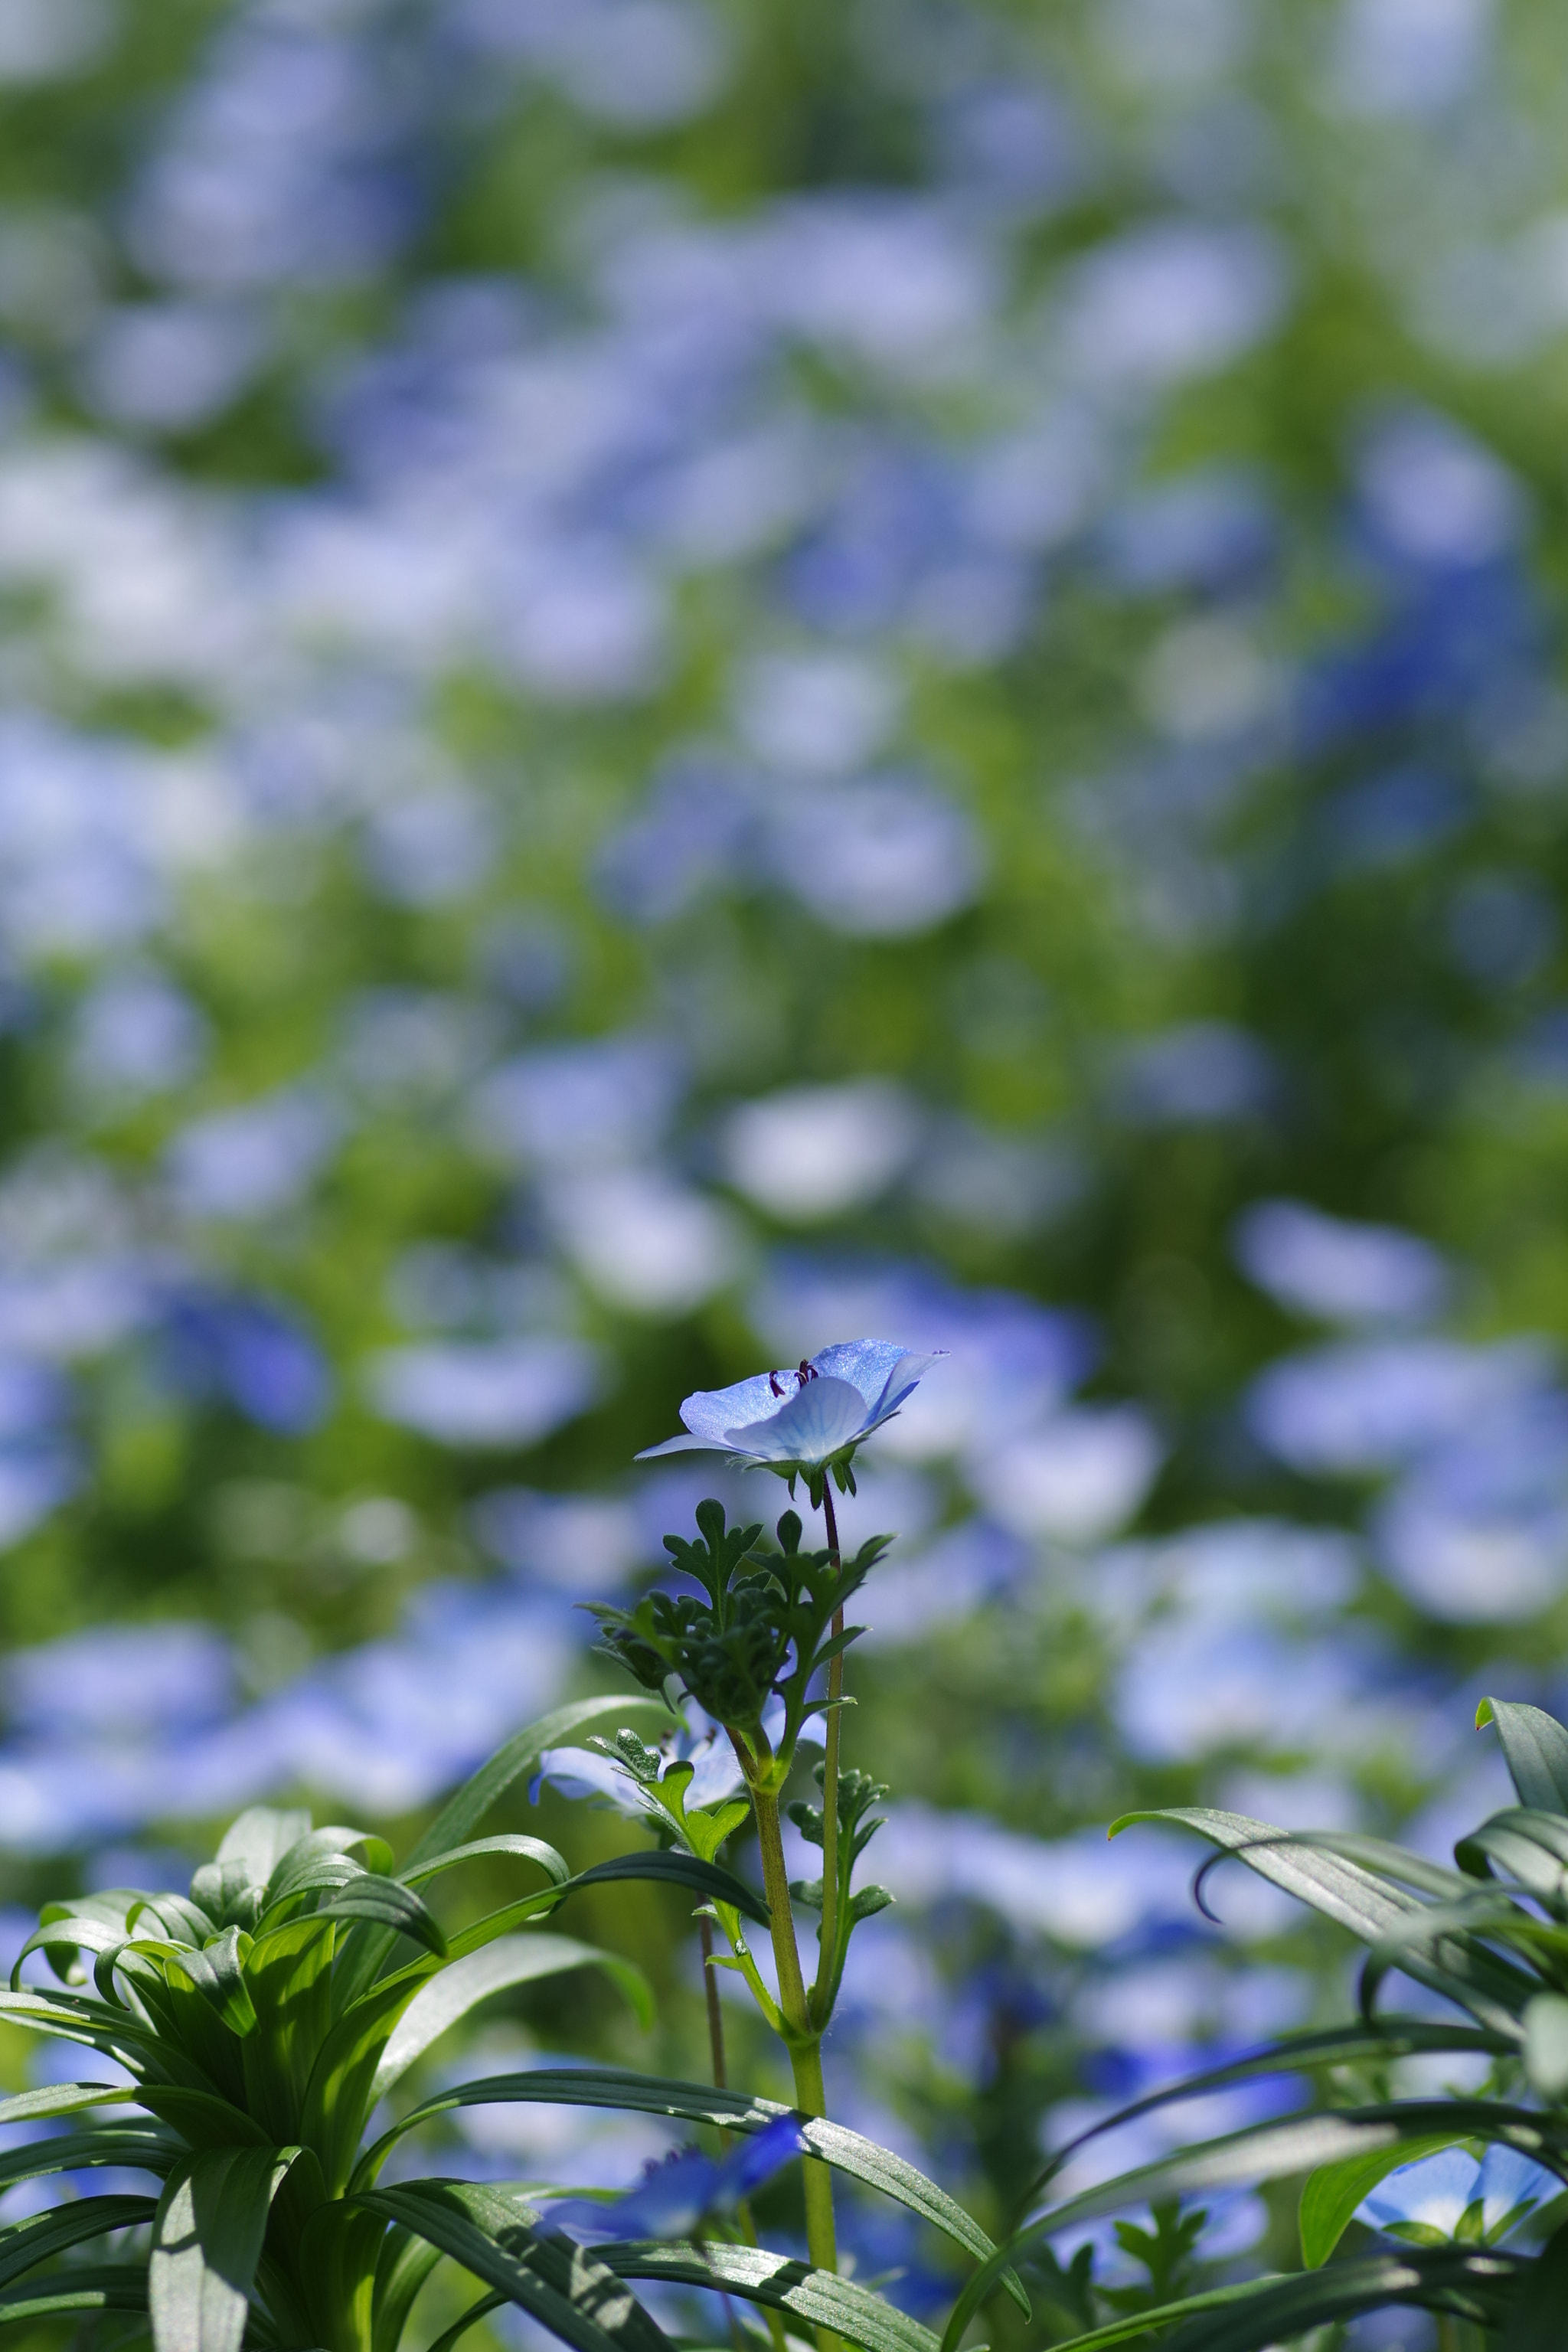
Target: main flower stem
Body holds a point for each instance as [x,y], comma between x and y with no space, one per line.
[821,1991]
[803,2043]
[721,2083]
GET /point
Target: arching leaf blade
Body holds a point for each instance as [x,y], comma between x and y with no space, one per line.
[568,1726]
[527,1849]
[1330,2195]
[1535,1749]
[41,2236]
[620,2089]
[710,1880]
[498,1966]
[781,2283]
[496,2237]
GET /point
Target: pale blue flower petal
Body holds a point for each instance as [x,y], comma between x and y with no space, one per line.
[868,1365]
[817,1420]
[711,1413]
[1434,2192]
[685,1444]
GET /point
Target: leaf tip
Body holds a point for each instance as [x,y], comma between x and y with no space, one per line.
[1485,1714]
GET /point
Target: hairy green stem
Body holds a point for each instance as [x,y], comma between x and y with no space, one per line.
[803,2044]
[821,1991]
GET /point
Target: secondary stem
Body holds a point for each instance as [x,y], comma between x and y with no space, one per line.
[715,2016]
[822,1990]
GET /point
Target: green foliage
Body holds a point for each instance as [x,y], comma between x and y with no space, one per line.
[765,1629]
[1491,1936]
[265,2015]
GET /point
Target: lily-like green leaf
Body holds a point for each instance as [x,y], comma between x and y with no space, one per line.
[130,2146]
[649,2094]
[779,2283]
[258,1840]
[1535,1749]
[710,1880]
[509,1961]
[1128,2329]
[1273,2151]
[402,2268]
[1317,1869]
[63,2099]
[218,1974]
[1385,2038]
[1344,1891]
[567,1728]
[1480,2283]
[206,2241]
[1332,2194]
[528,1849]
[496,2237]
[92,2286]
[388,1905]
[38,2239]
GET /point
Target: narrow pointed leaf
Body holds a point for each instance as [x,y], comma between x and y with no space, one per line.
[128,2147]
[584,2086]
[568,1727]
[708,1880]
[569,2290]
[405,2264]
[1342,2046]
[779,2283]
[37,2238]
[1283,2310]
[1342,1890]
[1270,2151]
[206,2241]
[92,2286]
[64,2099]
[528,1849]
[260,1838]
[509,1961]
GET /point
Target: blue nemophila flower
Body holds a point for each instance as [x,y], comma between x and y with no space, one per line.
[1457,2195]
[805,1421]
[675,2198]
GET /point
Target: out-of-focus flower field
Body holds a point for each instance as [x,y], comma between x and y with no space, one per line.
[683,679]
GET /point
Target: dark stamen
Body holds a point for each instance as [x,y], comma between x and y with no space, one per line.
[807,1371]
[773,1384]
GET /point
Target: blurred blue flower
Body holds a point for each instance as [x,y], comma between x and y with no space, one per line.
[252,1354]
[1428,2201]
[838,1399]
[505,1393]
[1325,1267]
[674,2197]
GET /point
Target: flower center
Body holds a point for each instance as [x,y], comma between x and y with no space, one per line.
[805,1371]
